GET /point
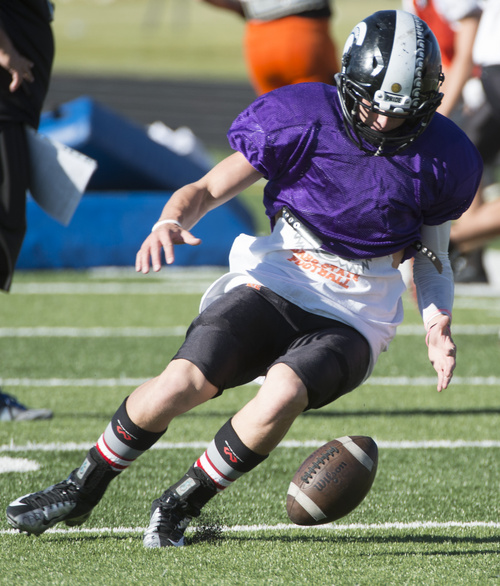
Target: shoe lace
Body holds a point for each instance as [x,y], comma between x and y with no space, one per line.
[63,491]
[173,519]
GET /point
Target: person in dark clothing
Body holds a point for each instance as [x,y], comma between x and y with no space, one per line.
[26,57]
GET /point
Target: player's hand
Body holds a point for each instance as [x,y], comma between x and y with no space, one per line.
[442,352]
[162,239]
[18,66]
[21,71]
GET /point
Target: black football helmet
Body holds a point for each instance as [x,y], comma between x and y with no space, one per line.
[391,64]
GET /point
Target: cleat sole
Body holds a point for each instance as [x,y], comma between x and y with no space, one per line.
[77,521]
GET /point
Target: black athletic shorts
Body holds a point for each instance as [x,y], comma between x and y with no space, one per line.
[248,330]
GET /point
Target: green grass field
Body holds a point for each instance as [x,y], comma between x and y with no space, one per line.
[78,343]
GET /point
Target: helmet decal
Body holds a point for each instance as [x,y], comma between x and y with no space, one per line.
[356,37]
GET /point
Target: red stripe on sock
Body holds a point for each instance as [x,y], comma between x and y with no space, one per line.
[113,452]
[110,462]
[219,486]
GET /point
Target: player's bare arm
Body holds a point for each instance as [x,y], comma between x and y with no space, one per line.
[435,292]
[189,204]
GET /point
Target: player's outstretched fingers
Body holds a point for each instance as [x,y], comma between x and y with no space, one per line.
[149,255]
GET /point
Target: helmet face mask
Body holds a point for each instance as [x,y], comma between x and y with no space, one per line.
[391,65]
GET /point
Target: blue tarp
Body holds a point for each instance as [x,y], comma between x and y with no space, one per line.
[108,230]
[135,178]
[128,159]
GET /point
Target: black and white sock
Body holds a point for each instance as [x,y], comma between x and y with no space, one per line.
[123,441]
[227,458]
[120,444]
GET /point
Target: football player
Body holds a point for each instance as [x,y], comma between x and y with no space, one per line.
[360,177]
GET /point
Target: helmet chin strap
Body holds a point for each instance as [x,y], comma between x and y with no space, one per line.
[361,139]
[379,141]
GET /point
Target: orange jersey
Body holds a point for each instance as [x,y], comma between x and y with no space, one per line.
[289,50]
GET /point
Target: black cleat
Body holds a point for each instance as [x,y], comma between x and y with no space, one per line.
[71,500]
[169,519]
[37,512]
[172,512]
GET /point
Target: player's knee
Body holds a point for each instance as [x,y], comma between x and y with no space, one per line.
[183,386]
[285,391]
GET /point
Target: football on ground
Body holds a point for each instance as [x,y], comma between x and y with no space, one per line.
[332,481]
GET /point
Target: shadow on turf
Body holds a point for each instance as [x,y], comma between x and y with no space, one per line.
[214,535]
[320,413]
[404,412]
[387,539]
[367,413]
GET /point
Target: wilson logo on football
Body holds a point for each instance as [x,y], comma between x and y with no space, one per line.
[121,431]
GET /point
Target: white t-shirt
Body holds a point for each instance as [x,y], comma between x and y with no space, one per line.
[365,294]
[487,44]
[451,10]
[272,9]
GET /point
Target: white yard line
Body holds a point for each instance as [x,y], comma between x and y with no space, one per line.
[180,330]
[72,382]
[386,381]
[158,288]
[415,525]
[288,444]
[98,332]
[189,281]
[423,381]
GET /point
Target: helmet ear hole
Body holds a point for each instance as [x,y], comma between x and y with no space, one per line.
[392,60]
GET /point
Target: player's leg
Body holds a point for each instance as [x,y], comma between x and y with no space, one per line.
[239,446]
[478,226]
[264,421]
[179,388]
[137,425]
[213,341]
[232,342]
[316,369]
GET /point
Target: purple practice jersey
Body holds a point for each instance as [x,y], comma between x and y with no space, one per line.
[359,205]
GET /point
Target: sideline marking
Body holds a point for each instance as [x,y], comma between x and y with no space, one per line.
[393,381]
[185,282]
[17,465]
[180,330]
[386,445]
[286,527]
[158,288]
[98,332]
